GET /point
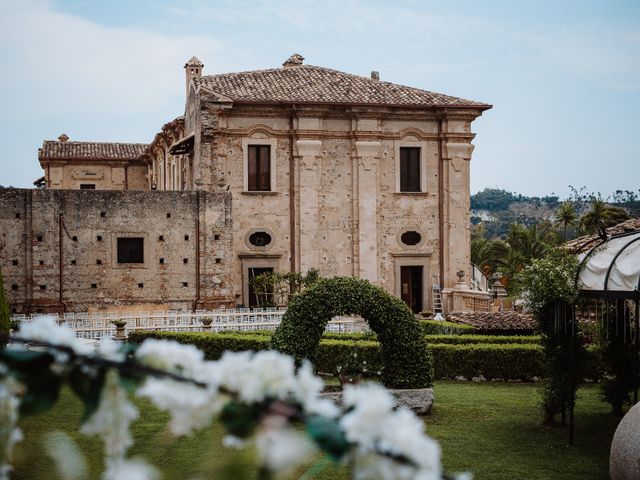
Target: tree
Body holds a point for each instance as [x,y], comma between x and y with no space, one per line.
[5,315]
[566,216]
[600,216]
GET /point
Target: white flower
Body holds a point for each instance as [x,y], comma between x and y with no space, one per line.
[371,404]
[9,434]
[191,407]
[402,433]
[135,469]
[256,376]
[112,418]
[45,329]
[170,356]
[308,388]
[109,349]
[67,456]
[283,449]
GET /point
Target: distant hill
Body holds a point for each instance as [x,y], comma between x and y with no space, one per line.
[497,208]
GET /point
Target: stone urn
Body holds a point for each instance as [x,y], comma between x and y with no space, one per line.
[206,323]
[624,459]
[120,332]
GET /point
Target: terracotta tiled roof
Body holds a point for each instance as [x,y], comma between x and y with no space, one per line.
[310,84]
[509,320]
[582,244]
[55,150]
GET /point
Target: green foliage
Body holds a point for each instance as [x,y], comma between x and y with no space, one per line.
[328,436]
[406,359]
[277,288]
[566,216]
[440,327]
[481,355]
[617,356]
[494,339]
[493,199]
[601,216]
[550,292]
[5,315]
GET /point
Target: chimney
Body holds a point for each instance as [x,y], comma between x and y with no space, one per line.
[375,75]
[193,68]
[63,138]
[294,60]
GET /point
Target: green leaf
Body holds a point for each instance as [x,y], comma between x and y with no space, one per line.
[33,370]
[130,382]
[88,388]
[241,419]
[328,436]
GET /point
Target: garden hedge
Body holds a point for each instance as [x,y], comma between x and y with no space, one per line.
[406,360]
[442,327]
[493,361]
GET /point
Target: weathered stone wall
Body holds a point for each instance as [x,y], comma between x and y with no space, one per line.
[104,175]
[348,210]
[58,249]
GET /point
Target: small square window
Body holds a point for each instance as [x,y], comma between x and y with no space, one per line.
[103,214]
[216,236]
[131,250]
[218,260]
[17,215]
[98,262]
[39,238]
[141,285]
[185,260]
[161,261]
[161,238]
[168,215]
[94,285]
[14,262]
[74,238]
[43,287]
[185,284]
[14,287]
[73,262]
[40,262]
[99,238]
[87,186]
[186,237]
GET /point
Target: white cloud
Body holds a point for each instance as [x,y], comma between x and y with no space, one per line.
[66,63]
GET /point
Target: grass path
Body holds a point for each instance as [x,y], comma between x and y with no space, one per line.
[491,429]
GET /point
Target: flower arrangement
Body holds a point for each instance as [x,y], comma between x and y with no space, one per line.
[259,397]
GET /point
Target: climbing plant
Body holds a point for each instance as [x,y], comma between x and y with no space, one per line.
[550,293]
[407,363]
[5,316]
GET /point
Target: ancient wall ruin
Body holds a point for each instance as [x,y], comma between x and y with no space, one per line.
[59,249]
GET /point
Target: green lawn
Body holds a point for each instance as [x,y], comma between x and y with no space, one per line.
[491,429]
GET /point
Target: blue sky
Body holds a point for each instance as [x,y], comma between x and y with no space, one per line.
[564,77]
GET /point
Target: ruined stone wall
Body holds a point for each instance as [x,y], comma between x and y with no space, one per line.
[58,249]
[105,176]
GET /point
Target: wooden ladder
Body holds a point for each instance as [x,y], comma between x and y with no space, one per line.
[436,298]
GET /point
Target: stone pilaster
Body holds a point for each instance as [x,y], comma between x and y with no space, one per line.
[309,180]
[457,237]
[368,155]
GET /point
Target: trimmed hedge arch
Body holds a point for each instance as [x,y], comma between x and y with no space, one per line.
[407,362]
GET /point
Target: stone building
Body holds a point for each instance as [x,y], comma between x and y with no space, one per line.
[347,174]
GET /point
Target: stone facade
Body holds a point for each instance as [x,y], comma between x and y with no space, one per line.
[334,199]
[59,249]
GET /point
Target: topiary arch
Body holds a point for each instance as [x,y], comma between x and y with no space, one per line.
[407,363]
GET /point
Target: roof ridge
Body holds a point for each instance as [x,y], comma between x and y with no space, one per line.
[68,142]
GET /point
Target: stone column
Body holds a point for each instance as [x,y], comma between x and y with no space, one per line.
[368,154]
[309,184]
[457,237]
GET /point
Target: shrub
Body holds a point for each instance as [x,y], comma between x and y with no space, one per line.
[404,349]
[439,327]
[491,339]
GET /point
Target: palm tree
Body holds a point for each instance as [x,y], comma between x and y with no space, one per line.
[601,216]
[565,215]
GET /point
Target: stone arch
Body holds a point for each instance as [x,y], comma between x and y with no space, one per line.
[407,363]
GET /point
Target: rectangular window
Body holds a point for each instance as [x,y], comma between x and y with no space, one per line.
[131,250]
[410,169]
[259,168]
[87,186]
